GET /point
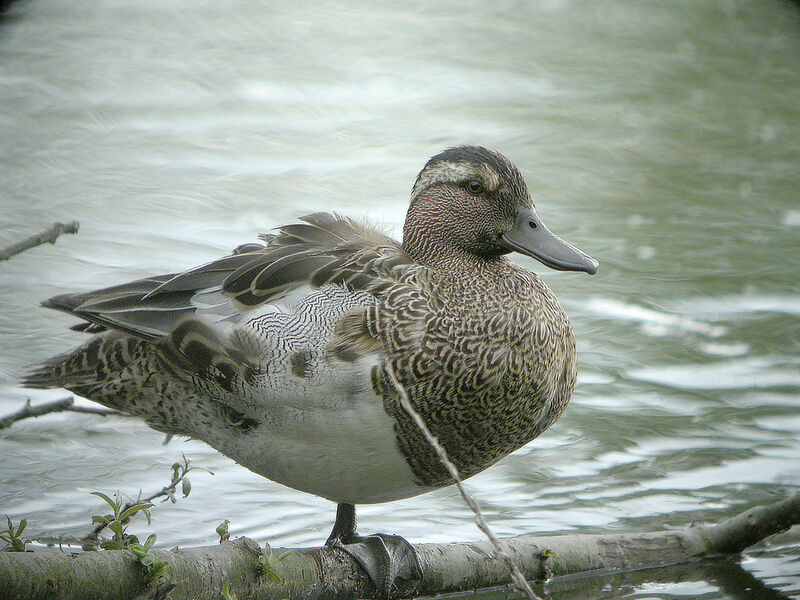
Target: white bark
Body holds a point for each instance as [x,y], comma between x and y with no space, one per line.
[316,573]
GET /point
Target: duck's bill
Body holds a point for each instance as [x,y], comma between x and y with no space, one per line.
[532,237]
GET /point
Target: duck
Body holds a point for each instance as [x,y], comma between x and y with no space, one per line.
[286,355]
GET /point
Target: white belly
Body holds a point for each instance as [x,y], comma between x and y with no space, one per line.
[347,454]
[325,431]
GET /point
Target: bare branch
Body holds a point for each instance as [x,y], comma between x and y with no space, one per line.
[48,236]
[93,410]
[29,411]
[64,405]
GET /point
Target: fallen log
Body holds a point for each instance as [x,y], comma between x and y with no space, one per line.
[308,574]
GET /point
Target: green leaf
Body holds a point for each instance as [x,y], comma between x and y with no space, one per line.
[116,527]
[159,571]
[222,531]
[108,500]
[133,510]
[151,539]
[22,525]
[227,594]
[273,575]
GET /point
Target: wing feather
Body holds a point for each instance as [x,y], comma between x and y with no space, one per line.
[323,248]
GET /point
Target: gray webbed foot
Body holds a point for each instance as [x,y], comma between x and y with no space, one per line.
[384,558]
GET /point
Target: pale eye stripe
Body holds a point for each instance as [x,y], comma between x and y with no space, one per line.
[455,172]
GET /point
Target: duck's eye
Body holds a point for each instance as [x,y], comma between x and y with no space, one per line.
[475,187]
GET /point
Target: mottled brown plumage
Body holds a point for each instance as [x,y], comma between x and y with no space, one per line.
[277,354]
[494,367]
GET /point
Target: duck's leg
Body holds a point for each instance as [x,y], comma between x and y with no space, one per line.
[383,557]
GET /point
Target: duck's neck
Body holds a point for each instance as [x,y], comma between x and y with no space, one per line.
[438,243]
[437,255]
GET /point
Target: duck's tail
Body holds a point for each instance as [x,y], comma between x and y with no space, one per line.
[86,370]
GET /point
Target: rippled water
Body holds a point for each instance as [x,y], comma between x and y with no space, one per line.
[662,137]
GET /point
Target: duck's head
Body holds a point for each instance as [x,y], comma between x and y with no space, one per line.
[472,202]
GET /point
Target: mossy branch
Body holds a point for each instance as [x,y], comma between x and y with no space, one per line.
[309,574]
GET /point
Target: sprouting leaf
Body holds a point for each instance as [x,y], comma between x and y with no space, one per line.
[186,487]
[274,576]
[133,510]
[116,527]
[268,563]
[222,531]
[176,472]
[155,570]
[108,500]
[227,594]
[12,537]
[159,571]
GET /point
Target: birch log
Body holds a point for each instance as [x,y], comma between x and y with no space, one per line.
[316,573]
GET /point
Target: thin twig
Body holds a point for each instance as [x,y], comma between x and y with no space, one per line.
[29,411]
[48,236]
[91,410]
[516,573]
[64,405]
[165,491]
[179,473]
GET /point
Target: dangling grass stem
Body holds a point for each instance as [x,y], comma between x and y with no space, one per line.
[516,574]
